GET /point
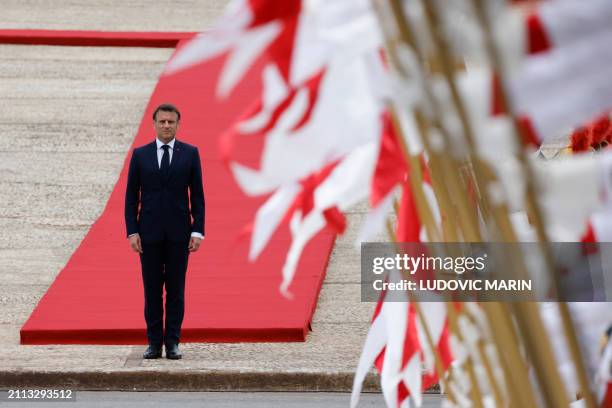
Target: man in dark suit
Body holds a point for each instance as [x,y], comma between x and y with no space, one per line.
[165,176]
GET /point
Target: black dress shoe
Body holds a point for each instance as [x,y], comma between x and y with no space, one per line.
[172,352]
[152,352]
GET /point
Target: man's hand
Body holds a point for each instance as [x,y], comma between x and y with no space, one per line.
[194,244]
[135,243]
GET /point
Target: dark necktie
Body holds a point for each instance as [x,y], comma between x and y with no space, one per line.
[165,161]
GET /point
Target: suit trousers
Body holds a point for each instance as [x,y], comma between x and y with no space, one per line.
[164,264]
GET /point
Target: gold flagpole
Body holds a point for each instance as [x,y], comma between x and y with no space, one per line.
[527,315]
[511,367]
[533,207]
[471,232]
[528,321]
[448,166]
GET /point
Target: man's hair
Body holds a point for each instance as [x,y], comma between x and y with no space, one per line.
[167,107]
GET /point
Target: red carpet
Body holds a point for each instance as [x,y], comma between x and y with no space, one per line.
[98,297]
[93,38]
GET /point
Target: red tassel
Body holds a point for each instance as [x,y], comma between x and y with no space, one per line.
[580,140]
[589,240]
[497,106]
[335,219]
[529,133]
[537,40]
[599,131]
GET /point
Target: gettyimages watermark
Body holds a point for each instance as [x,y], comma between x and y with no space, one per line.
[486,272]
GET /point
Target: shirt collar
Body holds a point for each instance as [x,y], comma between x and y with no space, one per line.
[160,143]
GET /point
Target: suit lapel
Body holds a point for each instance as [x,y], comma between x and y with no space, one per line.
[152,155]
[176,156]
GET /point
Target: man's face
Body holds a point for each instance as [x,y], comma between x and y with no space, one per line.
[166,125]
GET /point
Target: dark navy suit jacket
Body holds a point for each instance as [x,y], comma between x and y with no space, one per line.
[157,206]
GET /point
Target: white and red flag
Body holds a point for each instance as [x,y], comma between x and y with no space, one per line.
[313,141]
[397,346]
[299,37]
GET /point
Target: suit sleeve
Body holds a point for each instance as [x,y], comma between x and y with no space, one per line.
[198,207]
[132,196]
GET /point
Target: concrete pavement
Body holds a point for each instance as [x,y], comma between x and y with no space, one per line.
[111,15]
[223,400]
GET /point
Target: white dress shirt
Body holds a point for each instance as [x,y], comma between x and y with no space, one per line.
[160,154]
[160,151]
